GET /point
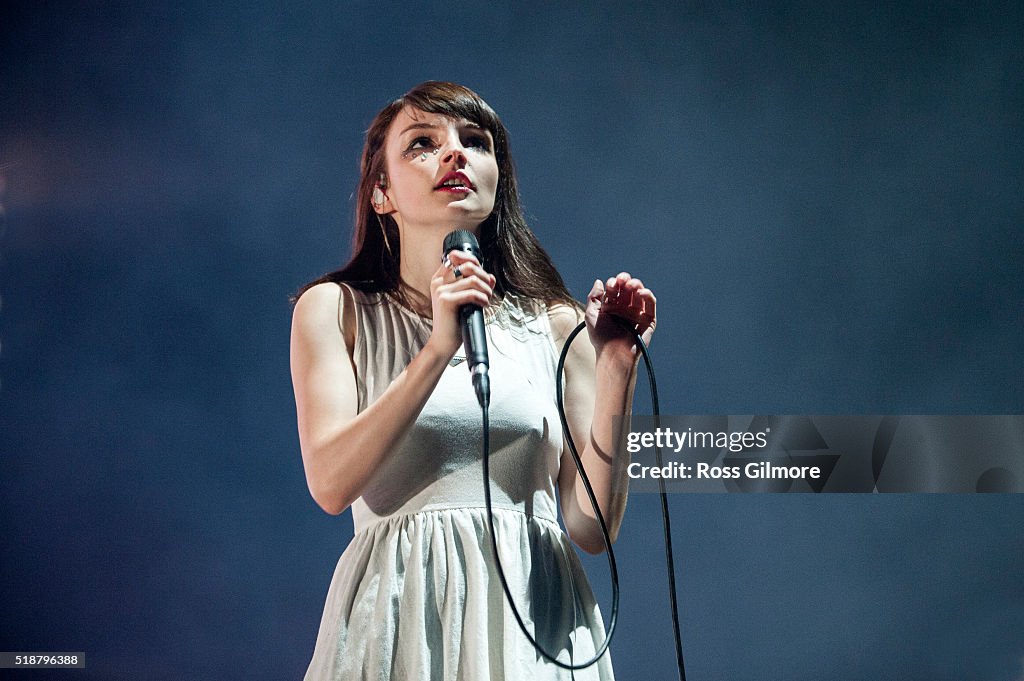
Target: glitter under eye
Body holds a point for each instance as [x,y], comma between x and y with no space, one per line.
[419,153]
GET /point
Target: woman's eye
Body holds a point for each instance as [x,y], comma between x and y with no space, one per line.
[418,146]
[479,142]
[421,143]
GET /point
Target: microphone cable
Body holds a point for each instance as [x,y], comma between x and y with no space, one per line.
[666,524]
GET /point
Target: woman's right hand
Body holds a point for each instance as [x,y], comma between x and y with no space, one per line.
[448,293]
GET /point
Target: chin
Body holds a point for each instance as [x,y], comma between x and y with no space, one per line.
[467,218]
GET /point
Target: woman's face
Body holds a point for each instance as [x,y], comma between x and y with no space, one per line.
[442,172]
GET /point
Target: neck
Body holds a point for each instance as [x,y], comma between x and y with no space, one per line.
[419,259]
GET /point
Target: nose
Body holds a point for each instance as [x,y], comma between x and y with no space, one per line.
[455,153]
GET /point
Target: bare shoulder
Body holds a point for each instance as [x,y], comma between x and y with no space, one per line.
[563,319]
[318,314]
[317,303]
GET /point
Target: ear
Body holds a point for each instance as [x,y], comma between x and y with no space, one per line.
[378,200]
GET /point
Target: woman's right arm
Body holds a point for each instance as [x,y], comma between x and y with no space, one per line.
[340,447]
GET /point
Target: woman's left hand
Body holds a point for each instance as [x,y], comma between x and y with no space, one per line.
[616,308]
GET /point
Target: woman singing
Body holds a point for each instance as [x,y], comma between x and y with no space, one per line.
[389,424]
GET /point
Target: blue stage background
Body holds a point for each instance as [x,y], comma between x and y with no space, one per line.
[827,200]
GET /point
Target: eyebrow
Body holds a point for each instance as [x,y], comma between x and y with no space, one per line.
[431,126]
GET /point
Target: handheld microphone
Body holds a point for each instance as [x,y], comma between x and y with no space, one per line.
[471,318]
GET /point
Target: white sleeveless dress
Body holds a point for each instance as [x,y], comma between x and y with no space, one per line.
[416,596]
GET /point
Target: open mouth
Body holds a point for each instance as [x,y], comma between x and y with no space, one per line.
[455,182]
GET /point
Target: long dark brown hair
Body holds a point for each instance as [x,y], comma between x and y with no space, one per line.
[510,250]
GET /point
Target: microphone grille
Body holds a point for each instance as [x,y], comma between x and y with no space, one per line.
[461,240]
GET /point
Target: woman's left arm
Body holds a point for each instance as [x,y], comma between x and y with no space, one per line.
[600,373]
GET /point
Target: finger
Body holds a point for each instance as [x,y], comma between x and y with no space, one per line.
[618,282]
[466,283]
[634,305]
[627,298]
[611,289]
[460,266]
[649,319]
[630,292]
[619,293]
[460,257]
[469,265]
[464,255]
[632,313]
[596,291]
[471,271]
[648,311]
[470,296]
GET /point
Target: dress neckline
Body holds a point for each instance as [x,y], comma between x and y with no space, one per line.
[490,312]
[394,301]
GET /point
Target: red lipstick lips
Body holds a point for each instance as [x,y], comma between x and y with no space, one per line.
[455,181]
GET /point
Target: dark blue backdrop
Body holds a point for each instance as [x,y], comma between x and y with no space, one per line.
[827,201]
